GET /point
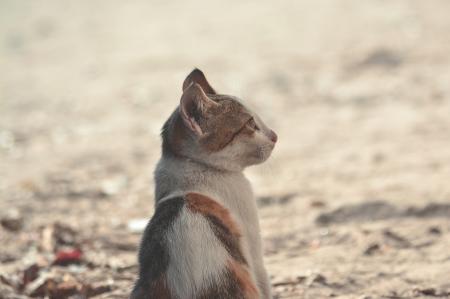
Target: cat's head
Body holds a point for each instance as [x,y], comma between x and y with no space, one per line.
[215,129]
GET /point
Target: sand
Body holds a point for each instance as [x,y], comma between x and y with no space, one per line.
[354,202]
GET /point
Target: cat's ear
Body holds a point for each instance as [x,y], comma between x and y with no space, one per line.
[197,76]
[194,105]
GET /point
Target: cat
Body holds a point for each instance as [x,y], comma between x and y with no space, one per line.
[203,240]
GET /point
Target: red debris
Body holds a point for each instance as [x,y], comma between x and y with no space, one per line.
[68,256]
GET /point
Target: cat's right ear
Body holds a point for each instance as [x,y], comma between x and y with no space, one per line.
[194,105]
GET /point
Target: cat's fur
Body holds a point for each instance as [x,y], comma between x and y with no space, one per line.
[204,238]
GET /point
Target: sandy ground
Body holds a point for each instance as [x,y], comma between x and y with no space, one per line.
[354,203]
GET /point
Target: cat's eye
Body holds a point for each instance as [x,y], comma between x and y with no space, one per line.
[252,124]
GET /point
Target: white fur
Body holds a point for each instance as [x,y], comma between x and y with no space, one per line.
[197,258]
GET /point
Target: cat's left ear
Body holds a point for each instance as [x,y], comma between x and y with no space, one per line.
[197,76]
[195,105]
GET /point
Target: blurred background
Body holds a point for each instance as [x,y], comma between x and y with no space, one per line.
[355,201]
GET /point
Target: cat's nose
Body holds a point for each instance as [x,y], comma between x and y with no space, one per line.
[273,136]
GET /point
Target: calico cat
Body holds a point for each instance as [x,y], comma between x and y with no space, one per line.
[203,240]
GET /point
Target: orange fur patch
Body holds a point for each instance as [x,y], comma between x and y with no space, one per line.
[244,279]
[200,203]
[222,123]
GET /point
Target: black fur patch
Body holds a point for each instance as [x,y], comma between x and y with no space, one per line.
[153,255]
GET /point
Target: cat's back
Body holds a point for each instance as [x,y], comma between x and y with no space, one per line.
[192,249]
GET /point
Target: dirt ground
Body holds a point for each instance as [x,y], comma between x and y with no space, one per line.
[354,203]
